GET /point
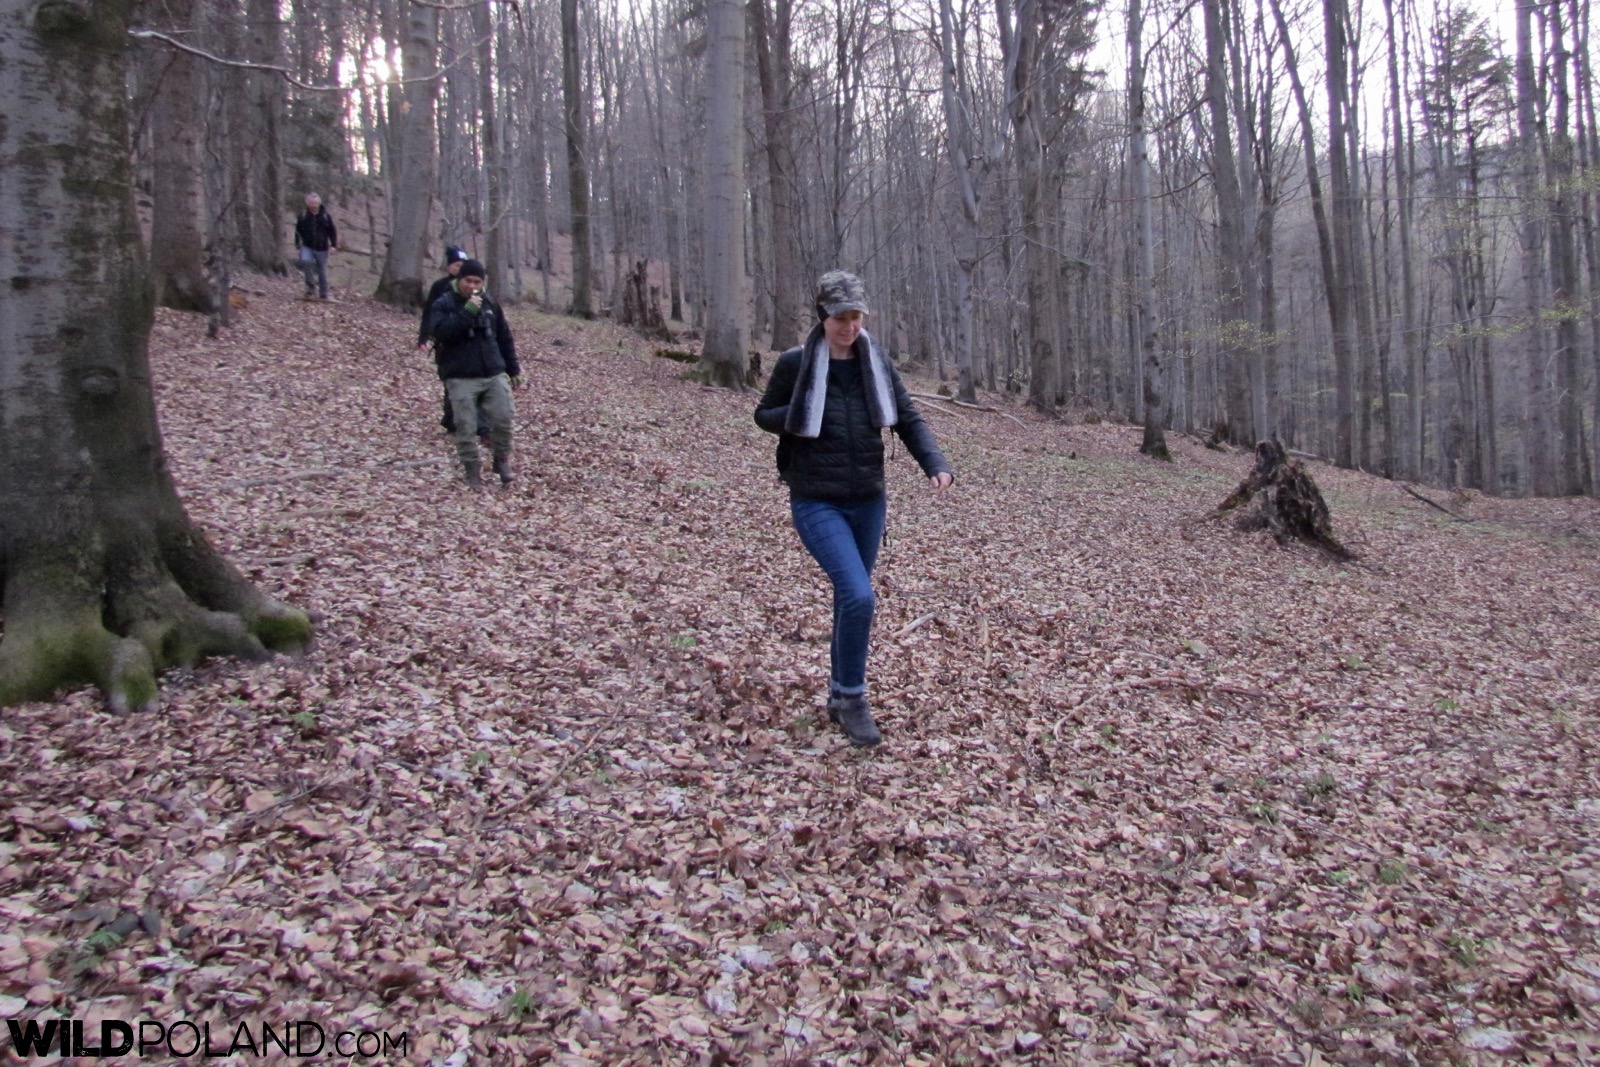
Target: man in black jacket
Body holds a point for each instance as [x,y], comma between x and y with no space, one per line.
[454,256]
[477,359]
[315,236]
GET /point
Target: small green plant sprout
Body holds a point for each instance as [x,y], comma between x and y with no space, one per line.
[1353,992]
[304,722]
[1465,948]
[1322,785]
[1108,732]
[1264,811]
[803,723]
[1339,877]
[1446,704]
[683,641]
[1392,871]
[773,926]
[88,954]
[1354,662]
[477,760]
[521,1004]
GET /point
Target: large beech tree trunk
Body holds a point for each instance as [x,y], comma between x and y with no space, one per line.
[105,579]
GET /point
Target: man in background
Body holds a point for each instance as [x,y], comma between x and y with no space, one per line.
[315,236]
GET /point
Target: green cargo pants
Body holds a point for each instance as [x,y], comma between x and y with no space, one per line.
[495,394]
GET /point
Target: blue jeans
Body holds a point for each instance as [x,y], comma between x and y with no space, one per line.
[314,265]
[844,539]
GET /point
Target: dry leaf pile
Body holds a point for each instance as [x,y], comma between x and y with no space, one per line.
[556,784]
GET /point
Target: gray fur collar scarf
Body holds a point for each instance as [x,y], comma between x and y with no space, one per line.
[811,385]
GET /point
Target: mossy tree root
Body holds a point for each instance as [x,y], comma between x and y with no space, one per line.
[63,632]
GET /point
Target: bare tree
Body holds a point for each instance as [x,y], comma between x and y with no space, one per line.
[414,171]
[575,113]
[727,317]
[1149,338]
[177,238]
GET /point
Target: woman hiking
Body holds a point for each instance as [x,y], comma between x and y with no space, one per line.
[829,401]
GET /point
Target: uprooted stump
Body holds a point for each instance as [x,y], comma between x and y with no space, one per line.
[1287,503]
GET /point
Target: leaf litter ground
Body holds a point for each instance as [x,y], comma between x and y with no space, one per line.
[555,784]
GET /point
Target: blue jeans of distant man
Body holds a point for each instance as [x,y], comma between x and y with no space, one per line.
[314,265]
[844,539]
[494,395]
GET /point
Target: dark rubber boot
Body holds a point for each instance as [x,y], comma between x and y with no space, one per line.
[502,467]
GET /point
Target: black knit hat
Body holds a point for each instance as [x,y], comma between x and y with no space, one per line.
[453,254]
[471,268]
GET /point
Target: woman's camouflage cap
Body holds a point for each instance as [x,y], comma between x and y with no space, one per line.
[840,291]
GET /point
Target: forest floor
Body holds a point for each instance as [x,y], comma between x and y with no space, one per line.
[555,783]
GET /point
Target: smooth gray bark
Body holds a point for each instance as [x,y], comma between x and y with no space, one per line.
[727,316]
[415,170]
[103,578]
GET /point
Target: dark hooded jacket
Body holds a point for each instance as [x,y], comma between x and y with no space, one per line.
[438,289]
[468,345]
[317,231]
[844,462]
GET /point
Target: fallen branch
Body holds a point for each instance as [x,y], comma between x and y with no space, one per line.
[335,472]
[1434,503]
[914,625]
[964,404]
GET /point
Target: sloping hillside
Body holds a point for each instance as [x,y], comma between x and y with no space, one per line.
[555,784]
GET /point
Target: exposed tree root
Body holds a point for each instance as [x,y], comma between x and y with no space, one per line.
[119,633]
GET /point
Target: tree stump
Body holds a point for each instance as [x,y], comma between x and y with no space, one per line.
[1287,503]
[639,307]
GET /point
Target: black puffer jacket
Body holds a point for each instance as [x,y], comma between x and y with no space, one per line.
[844,462]
[316,231]
[468,345]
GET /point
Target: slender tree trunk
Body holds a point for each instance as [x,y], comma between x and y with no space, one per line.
[1236,329]
[775,68]
[177,237]
[1536,392]
[105,580]
[268,233]
[961,139]
[415,170]
[575,114]
[727,317]
[1146,324]
[1335,292]
[1410,451]
[1569,480]
[495,260]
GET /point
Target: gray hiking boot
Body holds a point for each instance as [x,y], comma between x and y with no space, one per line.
[472,474]
[853,717]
